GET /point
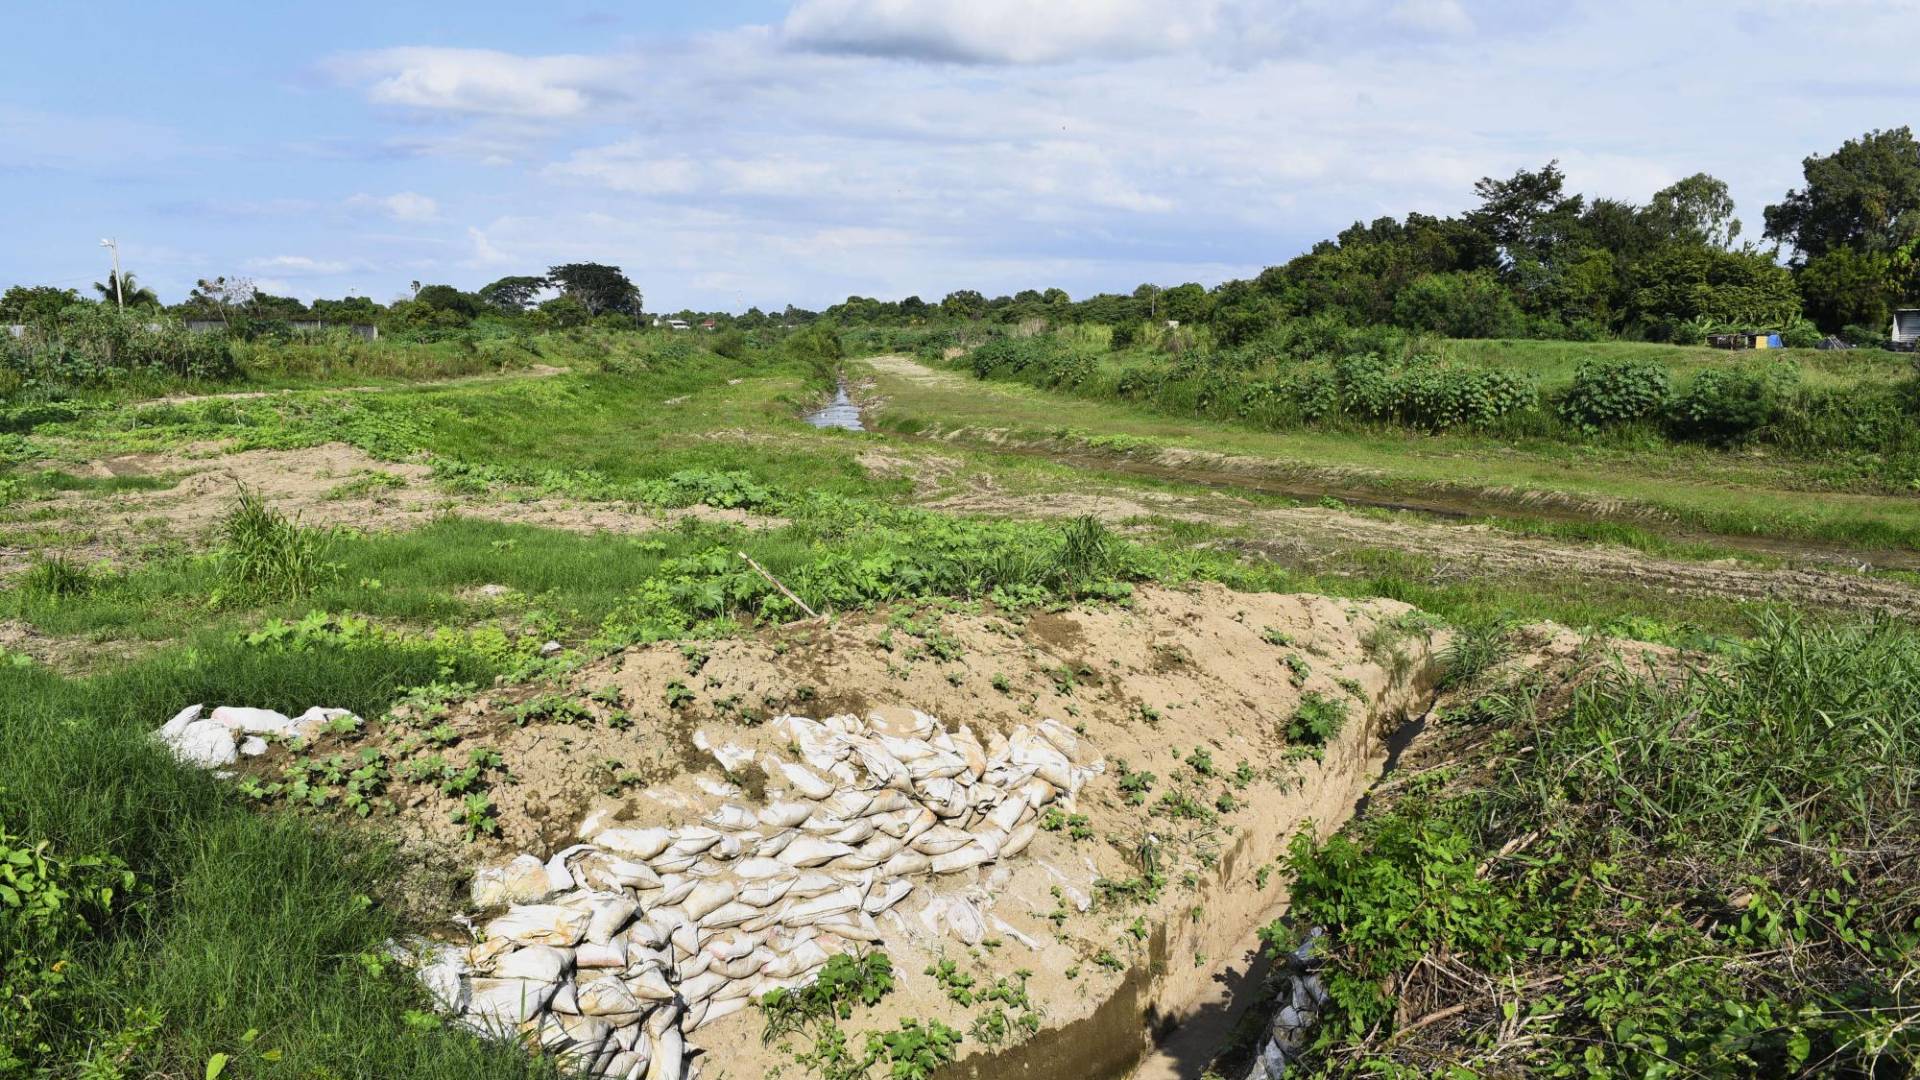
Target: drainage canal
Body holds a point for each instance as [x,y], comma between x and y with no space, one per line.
[840,413]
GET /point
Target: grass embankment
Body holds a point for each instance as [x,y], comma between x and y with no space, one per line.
[1712,875]
[1679,488]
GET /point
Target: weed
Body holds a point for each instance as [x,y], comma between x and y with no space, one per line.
[266,556]
[1317,721]
[57,577]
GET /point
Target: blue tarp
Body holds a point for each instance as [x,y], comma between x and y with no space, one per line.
[1773,341]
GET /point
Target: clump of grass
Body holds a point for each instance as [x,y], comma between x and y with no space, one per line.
[1088,553]
[266,556]
[55,577]
[1475,648]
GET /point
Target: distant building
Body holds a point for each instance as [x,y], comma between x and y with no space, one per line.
[673,324]
[1906,325]
[707,324]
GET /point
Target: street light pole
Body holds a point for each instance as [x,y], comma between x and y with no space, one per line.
[119,298]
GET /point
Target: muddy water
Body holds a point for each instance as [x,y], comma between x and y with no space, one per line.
[840,413]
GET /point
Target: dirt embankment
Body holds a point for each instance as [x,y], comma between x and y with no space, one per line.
[329,485]
[1187,697]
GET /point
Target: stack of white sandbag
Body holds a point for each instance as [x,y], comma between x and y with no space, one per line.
[614,950]
[217,740]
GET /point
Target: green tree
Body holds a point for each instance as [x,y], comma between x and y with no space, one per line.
[598,288]
[130,292]
[514,293]
[1864,197]
[1697,210]
[964,304]
[35,305]
[1687,282]
[1843,287]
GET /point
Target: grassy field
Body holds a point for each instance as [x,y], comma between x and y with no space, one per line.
[1683,488]
[180,926]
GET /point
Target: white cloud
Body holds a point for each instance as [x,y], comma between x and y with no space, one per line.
[1438,16]
[400,206]
[998,31]
[298,265]
[477,81]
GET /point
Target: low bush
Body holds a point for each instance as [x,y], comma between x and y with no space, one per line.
[1610,392]
[1723,406]
[266,556]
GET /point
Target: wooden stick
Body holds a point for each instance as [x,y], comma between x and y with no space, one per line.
[784,591]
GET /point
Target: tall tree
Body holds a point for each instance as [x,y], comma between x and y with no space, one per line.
[1864,196]
[1527,215]
[1697,210]
[598,287]
[514,293]
[35,304]
[130,292]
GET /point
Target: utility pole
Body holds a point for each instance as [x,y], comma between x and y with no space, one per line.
[119,298]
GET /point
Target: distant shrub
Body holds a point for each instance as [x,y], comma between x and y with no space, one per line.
[1801,335]
[1863,334]
[1728,405]
[1609,392]
[1688,333]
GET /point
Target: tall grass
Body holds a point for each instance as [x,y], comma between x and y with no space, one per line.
[265,555]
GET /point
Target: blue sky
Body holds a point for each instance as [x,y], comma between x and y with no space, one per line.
[742,153]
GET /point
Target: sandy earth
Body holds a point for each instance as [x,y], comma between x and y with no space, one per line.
[1300,535]
[1146,685]
[329,485]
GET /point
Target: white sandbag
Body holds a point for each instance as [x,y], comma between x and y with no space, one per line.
[179,722]
[963,858]
[611,914]
[1007,815]
[669,1055]
[773,845]
[730,914]
[540,924]
[886,894]
[543,963]
[203,743]
[812,851]
[765,894]
[845,806]
[564,1000]
[884,771]
[691,840]
[720,1010]
[940,839]
[673,890]
[610,954]
[784,814]
[807,912]
[705,897]
[732,817]
[649,985]
[944,796]
[606,995]
[811,884]
[855,833]
[1020,838]
[970,749]
[499,1006]
[520,880]
[701,987]
[251,721]
[641,844]
[803,780]
[906,864]
[674,864]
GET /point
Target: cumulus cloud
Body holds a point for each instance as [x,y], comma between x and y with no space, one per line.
[998,31]
[400,206]
[478,81]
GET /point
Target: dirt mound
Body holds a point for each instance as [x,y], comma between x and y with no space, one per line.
[1188,697]
[331,484]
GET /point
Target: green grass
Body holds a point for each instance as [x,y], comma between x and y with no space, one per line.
[1709,876]
[1672,488]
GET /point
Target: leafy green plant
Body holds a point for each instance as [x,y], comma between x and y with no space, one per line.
[57,577]
[1606,393]
[1317,720]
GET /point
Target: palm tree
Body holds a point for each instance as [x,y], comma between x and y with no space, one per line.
[132,292]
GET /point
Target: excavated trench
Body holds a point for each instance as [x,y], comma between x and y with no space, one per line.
[1169,1017]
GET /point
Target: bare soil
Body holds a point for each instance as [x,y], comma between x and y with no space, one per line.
[330,485]
[1185,684]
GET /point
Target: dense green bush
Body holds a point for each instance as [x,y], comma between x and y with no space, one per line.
[1727,405]
[1609,392]
[93,345]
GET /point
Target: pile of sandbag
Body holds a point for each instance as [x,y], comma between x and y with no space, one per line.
[616,949]
[217,740]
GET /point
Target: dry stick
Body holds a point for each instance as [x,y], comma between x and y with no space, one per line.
[784,591]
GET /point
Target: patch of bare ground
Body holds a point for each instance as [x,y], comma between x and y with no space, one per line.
[330,485]
[1195,687]
[65,654]
[1309,536]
